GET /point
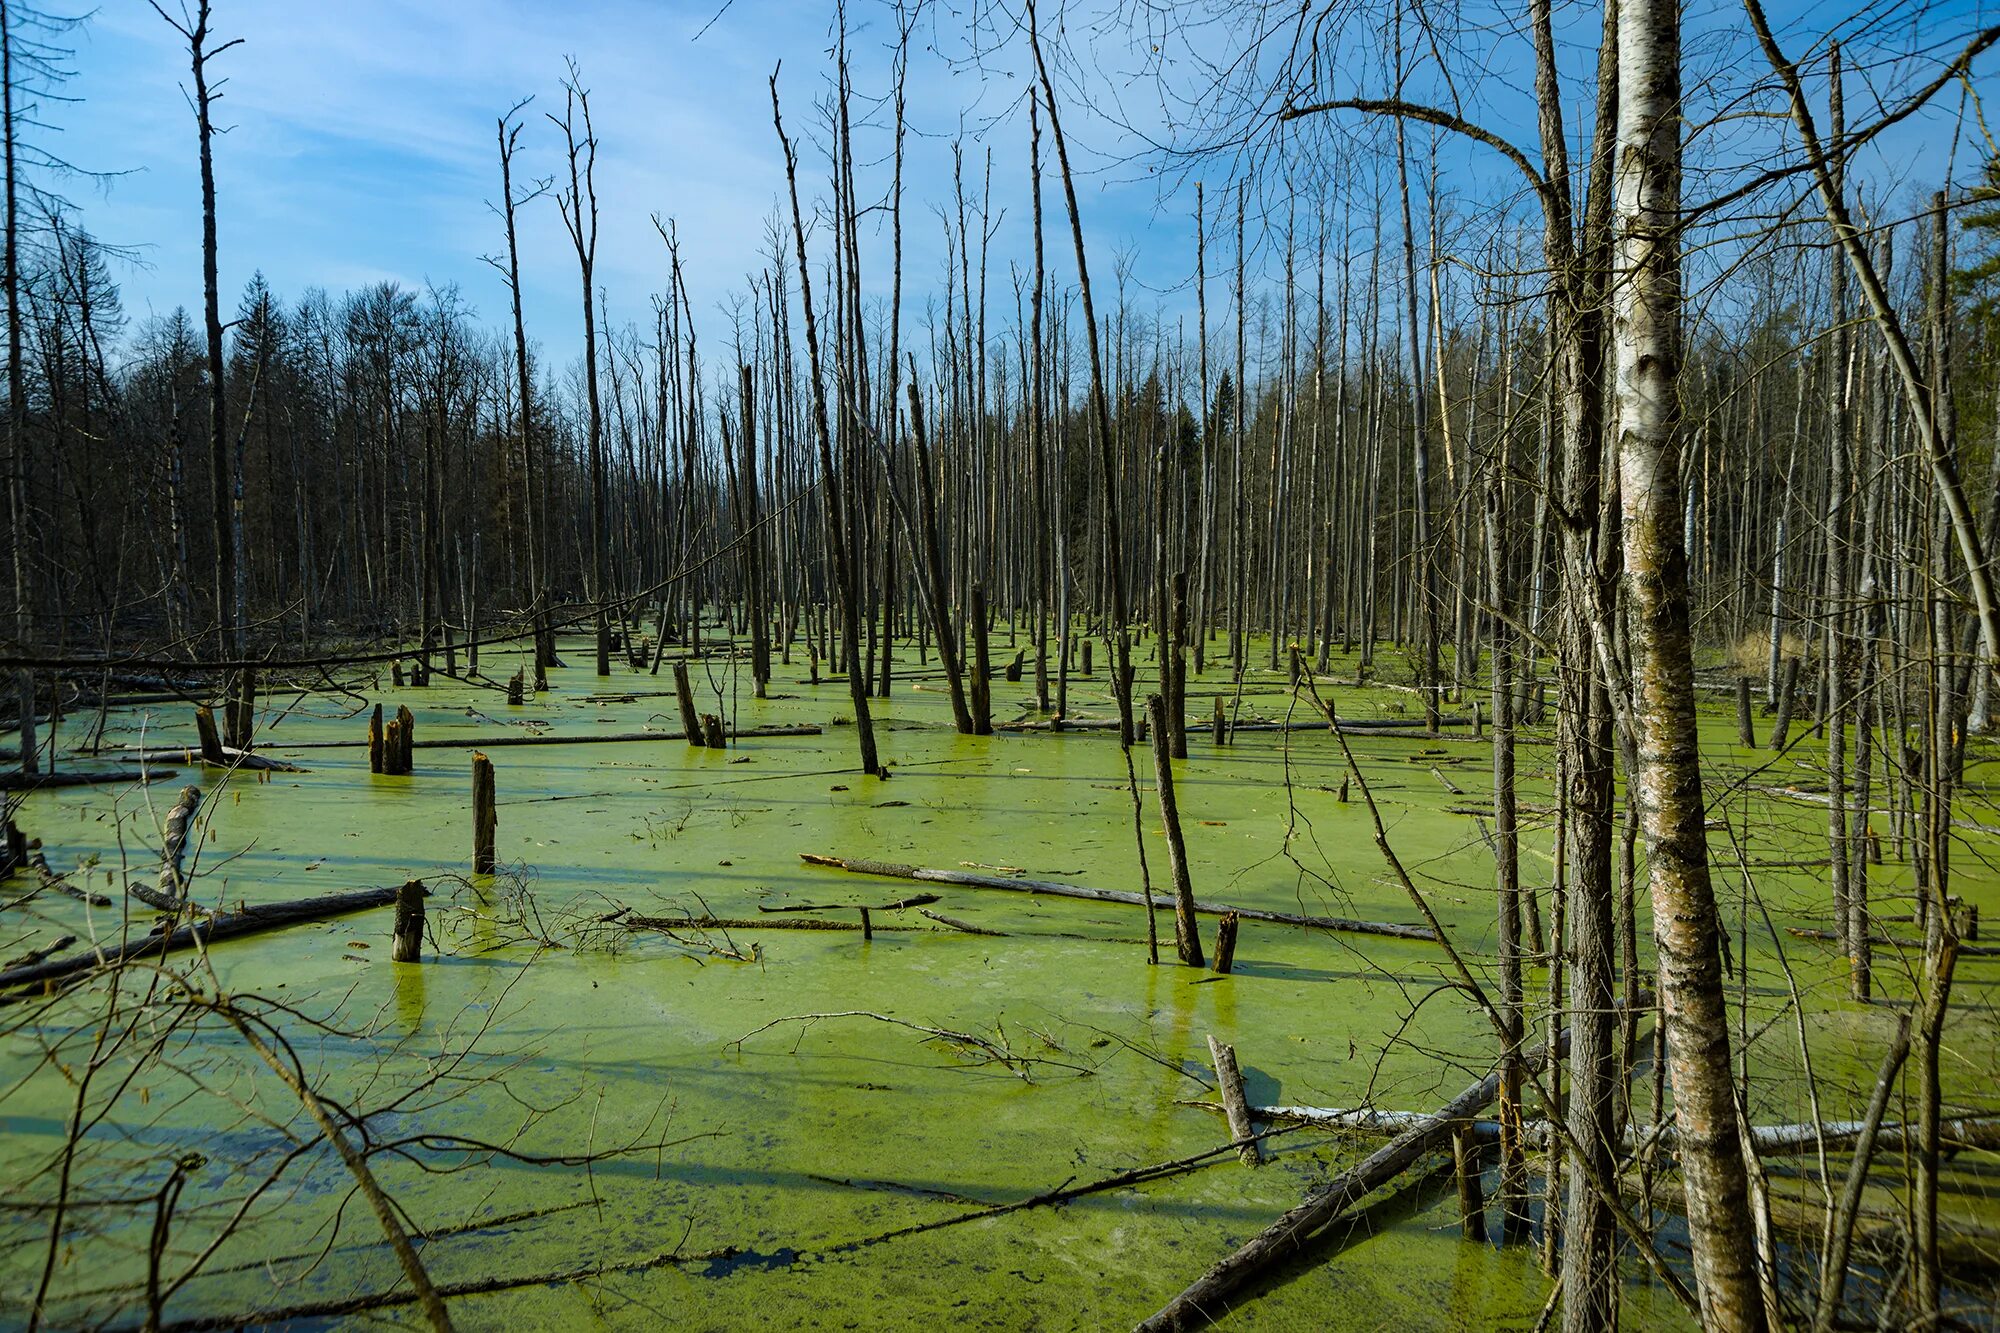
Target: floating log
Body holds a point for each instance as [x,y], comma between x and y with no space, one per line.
[225,756]
[1229,1081]
[19,781]
[897,870]
[1195,1306]
[1976,950]
[221,926]
[600,738]
[60,883]
[673,923]
[1793,1140]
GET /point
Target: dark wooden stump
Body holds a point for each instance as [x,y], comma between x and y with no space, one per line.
[407,943]
[712,734]
[376,750]
[405,751]
[1746,728]
[1225,942]
[484,820]
[211,741]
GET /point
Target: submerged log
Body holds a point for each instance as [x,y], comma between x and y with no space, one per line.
[897,870]
[221,926]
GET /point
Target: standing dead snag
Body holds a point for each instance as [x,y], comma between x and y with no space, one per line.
[376,748]
[484,819]
[407,940]
[684,695]
[1187,936]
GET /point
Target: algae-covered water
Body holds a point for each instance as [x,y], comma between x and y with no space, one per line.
[657,1171]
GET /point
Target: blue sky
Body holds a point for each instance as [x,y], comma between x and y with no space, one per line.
[361,142]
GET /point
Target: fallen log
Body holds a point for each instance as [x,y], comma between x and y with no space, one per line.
[224,757]
[249,920]
[497,742]
[920,900]
[60,883]
[17,781]
[1206,1298]
[672,923]
[1976,950]
[1981,1133]
[897,870]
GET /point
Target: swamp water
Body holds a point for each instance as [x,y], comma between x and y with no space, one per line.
[766,1183]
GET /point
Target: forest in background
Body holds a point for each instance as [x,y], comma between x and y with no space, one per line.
[1682,411]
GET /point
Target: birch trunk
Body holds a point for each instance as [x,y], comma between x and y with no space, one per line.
[1645,314]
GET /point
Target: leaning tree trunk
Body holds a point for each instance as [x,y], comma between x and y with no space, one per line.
[1645,310]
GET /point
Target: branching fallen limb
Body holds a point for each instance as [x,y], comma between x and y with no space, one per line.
[980,1049]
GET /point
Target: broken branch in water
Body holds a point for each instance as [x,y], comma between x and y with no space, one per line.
[979,1049]
[897,870]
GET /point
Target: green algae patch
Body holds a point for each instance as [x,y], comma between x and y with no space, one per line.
[714,1125]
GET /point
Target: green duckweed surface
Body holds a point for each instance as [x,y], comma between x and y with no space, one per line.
[757,1178]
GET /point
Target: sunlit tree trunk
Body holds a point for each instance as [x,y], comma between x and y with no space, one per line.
[1645,328]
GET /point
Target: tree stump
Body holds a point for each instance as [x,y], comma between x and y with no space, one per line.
[1225,942]
[712,734]
[484,819]
[405,753]
[211,742]
[377,752]
[407,942]
[516,689]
